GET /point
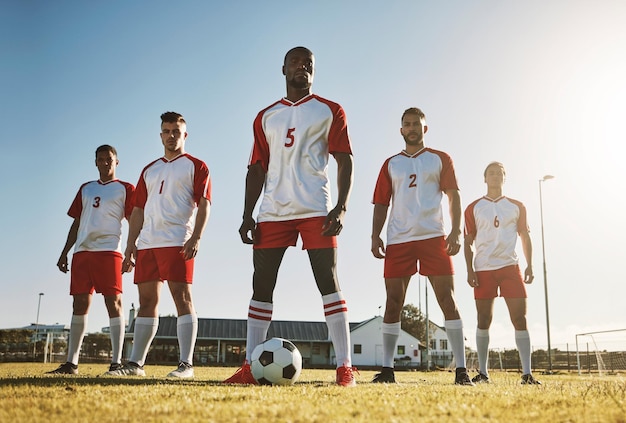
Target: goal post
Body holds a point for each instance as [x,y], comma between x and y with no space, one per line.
[608,348]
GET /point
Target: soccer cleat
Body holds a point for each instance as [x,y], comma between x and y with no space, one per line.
[386,375]
[462,378]
[129,369]
[243,376]
[529,380]
[65,369]
[481,378]
[115,366]
[345,376]
[184,371]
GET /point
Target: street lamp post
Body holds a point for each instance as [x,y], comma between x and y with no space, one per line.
[37,326]
[545,272]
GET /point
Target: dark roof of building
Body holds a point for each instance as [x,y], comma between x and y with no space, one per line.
[236,329]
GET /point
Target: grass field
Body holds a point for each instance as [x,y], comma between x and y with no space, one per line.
[26,395]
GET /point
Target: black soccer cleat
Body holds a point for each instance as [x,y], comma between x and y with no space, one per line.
[529,380]
[462,378]
[386,375]
[65,369]
[481,378]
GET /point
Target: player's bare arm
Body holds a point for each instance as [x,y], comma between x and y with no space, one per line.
[468,252]
[72,234]
[527,249]
[334,220]
[191,247]
[453,240]
[135,224]
[378,221]
[255,178]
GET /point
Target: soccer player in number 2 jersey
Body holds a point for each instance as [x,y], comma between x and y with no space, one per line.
[492,225]
[414,182]
[292,142]
[163,239]
[98,210]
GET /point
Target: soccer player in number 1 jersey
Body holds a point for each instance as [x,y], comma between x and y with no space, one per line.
[98,210]
[414,182]
[171,210]
[293,139]
[492,225]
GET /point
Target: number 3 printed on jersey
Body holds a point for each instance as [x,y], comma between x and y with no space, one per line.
[96,202]
[290,137]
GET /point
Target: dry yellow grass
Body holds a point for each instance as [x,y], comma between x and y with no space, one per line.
[26,395]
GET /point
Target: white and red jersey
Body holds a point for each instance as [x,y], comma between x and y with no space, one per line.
[292,142]
[101,206]
[169,191]
[495,224]
[414,185]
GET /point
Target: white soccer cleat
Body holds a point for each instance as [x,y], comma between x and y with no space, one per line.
[184,371]
[129,369]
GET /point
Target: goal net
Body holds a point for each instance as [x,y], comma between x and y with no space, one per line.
[601,352]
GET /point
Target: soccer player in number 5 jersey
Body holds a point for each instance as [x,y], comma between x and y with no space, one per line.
[98,210]
[292,141]
[171,210]
[414,182]
[492,225]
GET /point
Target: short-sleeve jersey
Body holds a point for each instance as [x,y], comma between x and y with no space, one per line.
[495,224]
[101,206]
[414,186]
[169,191]
[292,142]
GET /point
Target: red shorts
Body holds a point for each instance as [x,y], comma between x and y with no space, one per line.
[99,271]
[401,259]
[163,264]
[508,279]
[285,234]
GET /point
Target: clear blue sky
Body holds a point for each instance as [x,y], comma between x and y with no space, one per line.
[537,85]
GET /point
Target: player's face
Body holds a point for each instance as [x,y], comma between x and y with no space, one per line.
[299,68]
[495,176]
[106,162]
[173,135]
[413,130]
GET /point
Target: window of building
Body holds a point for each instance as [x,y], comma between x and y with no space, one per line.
[315,349]
[400,349]
[433,344]
[443,343]
[357,348]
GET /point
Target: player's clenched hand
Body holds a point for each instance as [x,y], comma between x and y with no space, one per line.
[248,225]
[528,275]
[378,247]
[62,264]
[472,280]
[332,225]
[129,259]
[453,243]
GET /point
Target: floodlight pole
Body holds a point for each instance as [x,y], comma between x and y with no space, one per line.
[545,272]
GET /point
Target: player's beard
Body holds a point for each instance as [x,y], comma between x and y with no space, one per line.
[300,83]
[417,141]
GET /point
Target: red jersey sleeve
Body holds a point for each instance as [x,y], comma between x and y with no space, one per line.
[470,222]
[77,205]
[338,139]
[201,182]
[383,189]
[260,149]
[522,222]
[448,176]
[130,199]
[141,193]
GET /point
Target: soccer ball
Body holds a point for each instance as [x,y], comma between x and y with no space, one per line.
[276,361]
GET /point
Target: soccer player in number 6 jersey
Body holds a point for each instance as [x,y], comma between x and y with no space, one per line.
[292,141]
[414,182]
[492,225]
[98,210]
[171,210]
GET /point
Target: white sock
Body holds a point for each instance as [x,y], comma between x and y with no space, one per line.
[145,329]
[187,331]
[78,329]
[336,315]
[522,340]
[482,347]
[454,330]
[118,330]
[259,320]
[391,333]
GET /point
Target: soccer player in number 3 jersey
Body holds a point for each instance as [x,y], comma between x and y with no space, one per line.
[98,210]
[172,205]
[292,141]
[492,225]
[414,182]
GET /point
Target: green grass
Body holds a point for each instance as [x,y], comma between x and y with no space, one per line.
[26,395]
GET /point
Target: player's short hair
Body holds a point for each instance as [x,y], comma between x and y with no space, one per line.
[106,147]
[172,117]
[500,165]
[413,111]
[294,49]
